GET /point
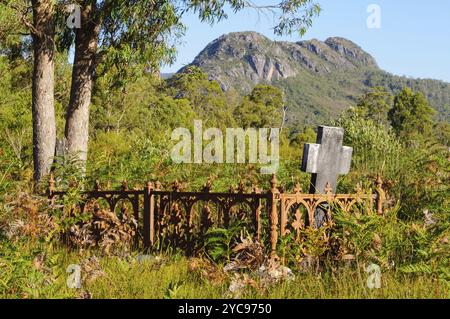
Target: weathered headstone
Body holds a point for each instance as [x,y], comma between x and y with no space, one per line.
[326,160]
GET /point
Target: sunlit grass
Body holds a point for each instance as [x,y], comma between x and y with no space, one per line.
[172,277]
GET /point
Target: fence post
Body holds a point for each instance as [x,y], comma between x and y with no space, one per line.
[275,197]
[381,195]
[149,220]
[257,213]
[51,189]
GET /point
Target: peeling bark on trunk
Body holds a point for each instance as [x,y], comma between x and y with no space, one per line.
[44,125]
[77,119]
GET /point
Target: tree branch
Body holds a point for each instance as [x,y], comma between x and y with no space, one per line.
[23,12]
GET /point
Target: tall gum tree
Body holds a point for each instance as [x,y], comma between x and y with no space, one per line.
[86,43]
[36,19]
[43,112]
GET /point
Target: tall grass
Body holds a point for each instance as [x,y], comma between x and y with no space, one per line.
[23,276]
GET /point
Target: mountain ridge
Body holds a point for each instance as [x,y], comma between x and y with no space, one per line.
[320,78]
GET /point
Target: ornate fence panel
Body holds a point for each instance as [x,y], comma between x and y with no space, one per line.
[298,210]
[112,197]
[180,218]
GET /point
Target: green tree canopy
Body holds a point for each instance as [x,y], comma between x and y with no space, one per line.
[263,107]
[206,96]
[375,105]
[411,114]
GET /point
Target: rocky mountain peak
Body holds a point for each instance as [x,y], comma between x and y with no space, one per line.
[243,59]
[351,51]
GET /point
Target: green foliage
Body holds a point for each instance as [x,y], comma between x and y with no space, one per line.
[411,114]
[307,136]
[263,107]
[172,290]
[136,36]
[15,122]
[442,133]
[206,97]
[12,42]
[376,149]
[219,242]
[411,157]
[32,271]
[361,234]
[126,278]
[433,90]
[314,99]
[375,105]
[390,242]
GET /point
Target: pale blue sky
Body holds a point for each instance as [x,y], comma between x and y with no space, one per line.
[414,38]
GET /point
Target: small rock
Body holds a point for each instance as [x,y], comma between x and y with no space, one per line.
[273,272]
[428,218]
[147,258]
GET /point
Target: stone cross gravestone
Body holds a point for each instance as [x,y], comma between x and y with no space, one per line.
[326,160]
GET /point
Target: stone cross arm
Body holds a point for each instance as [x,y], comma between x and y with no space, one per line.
[312,158]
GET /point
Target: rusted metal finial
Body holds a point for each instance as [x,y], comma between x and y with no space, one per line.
[108,185]
[241,187]
[379,182]
[124,186]
[256,189]
[176,186]
[381,195]
[51,185]
[274,182]
[208,185]
[298,188]
[96,185]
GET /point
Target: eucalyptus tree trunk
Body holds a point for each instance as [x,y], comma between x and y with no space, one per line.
[43,112]
[77,118]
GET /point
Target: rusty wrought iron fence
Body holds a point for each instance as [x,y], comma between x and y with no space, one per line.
[179,218]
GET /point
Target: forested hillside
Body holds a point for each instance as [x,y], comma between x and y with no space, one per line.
[319,79]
